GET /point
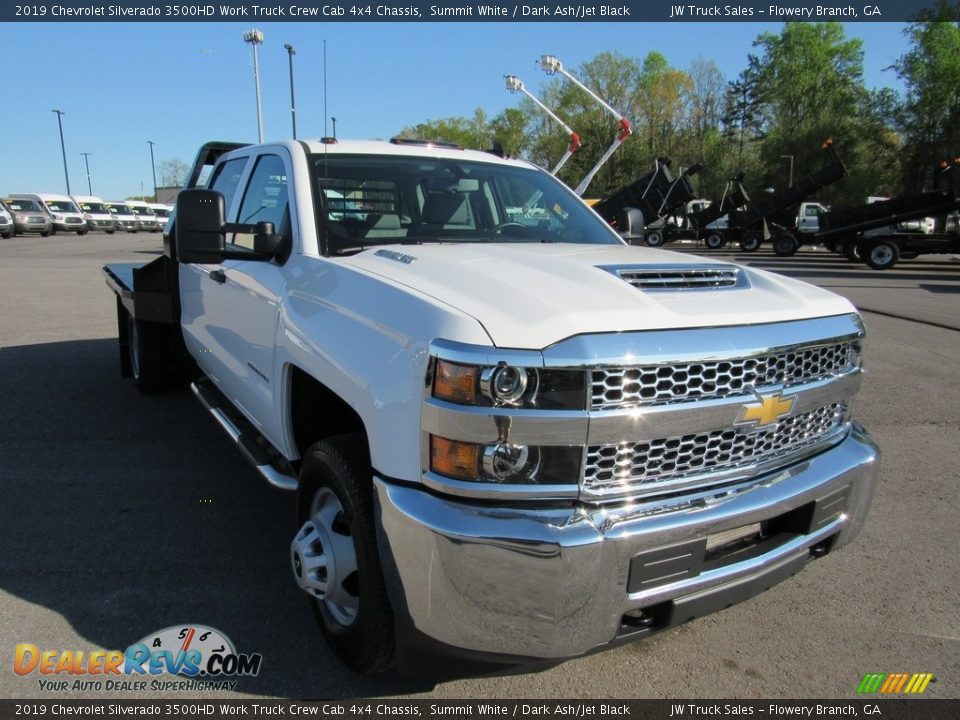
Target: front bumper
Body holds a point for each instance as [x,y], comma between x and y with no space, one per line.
[541,584]
[23,227]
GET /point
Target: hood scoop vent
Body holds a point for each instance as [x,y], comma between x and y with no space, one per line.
[670,278]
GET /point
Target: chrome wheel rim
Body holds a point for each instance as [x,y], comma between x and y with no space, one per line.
[324,559]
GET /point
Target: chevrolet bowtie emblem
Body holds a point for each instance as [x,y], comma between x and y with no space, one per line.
[766,410]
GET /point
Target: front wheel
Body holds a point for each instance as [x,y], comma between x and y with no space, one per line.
[883,255]
[751,244]
[654,239]
[785,245]
[715,241]
[334,553]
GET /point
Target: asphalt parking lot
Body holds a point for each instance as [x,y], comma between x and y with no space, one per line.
[122,514]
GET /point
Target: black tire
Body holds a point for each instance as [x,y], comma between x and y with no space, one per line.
[851,251]
[750,244]
[81,233]
[110,232]
[341,464]
[654,238]
[715,240]
[785,245]
[45,233]
[7,236]
[831,246]
[149,356]
[882,256]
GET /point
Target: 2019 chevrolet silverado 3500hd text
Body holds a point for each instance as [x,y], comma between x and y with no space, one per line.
[513,438]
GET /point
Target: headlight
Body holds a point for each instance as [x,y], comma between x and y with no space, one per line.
[57,217]
[504,463]
[508,386]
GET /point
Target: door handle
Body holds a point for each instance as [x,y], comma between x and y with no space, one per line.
[218,276]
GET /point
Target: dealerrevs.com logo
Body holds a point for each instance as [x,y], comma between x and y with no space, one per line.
[895,683]
[202,657]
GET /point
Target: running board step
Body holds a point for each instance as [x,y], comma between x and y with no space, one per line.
[242,432]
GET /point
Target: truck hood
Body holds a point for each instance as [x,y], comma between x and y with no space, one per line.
[533,295]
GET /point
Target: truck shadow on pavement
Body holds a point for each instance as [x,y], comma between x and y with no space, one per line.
[126,514]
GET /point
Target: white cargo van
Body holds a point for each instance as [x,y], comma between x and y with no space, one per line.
[145,216]
[96,213]
[123,215]
[63,213]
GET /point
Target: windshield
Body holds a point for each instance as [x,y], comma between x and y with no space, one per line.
[142,210]
[23,205]
[371,200]
[119,208]
[162,213]
[61,206]
[94,207]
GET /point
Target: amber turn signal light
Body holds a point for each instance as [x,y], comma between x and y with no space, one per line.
[456,383]
[455,459]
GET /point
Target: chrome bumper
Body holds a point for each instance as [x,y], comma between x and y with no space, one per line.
[556,583]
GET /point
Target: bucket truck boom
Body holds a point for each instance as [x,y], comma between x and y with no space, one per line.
[551,65]
[515,84]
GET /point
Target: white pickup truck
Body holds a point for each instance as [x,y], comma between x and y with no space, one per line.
[513,438]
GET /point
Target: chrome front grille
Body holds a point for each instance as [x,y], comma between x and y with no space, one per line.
[614,388]
[648,465]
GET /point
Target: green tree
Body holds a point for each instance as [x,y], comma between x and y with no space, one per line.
[742,118]
[473,133]
[509,128]
[931,112]
[810,84]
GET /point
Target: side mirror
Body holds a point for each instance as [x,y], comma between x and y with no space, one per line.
[199,227]
[634,226]
[201,232]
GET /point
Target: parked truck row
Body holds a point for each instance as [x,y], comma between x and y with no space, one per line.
[513,438]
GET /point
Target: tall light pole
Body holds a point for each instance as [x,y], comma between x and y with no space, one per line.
[63,147]
[293,103]
[86,159]
[790,158]
[153,167]
[334,127]
[255,38]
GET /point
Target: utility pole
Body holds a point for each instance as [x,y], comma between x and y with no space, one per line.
[790,158]
[255,38]
[63,147]
[293,103]
[153,167]
[86,159]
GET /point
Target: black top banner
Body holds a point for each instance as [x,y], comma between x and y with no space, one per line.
[466,11]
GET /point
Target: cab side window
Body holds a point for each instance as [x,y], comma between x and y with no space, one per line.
[226,178]
[265,198]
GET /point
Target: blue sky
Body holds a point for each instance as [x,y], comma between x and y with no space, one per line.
[123,84]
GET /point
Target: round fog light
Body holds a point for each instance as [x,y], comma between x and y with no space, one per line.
[510,462]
